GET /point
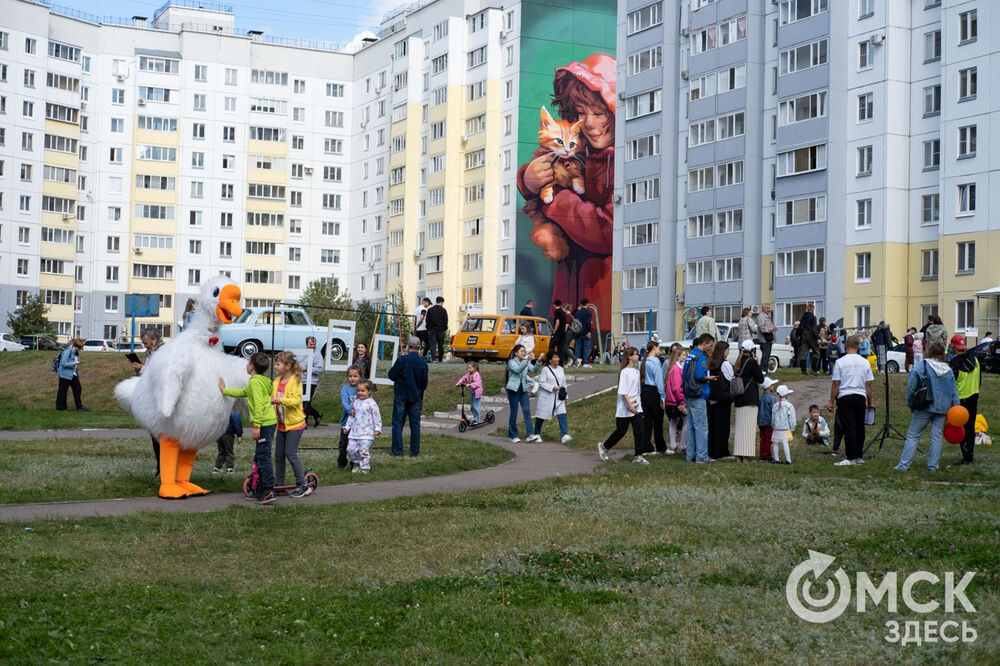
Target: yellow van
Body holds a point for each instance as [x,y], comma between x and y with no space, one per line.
[484,337]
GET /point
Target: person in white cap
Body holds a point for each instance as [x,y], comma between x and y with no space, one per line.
[747,402]
[783,422]
[764,411]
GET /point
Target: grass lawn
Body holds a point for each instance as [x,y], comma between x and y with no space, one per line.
[28,391]
[67,469]
[662,564]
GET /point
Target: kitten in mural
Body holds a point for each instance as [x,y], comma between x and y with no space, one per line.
[563,143]
[562,140]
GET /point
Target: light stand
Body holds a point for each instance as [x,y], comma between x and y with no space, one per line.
[887,431]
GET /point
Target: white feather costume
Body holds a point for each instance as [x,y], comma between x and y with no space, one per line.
[177,395]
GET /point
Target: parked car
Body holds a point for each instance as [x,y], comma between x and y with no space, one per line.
[781,355]
[41,341]
[895,358]
[988,354]
[484,337]
[251,332]
[9,343]
[97,344]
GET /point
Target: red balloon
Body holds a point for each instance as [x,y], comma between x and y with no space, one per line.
[953,433]
[958,416]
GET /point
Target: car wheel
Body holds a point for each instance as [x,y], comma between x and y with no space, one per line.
[338,350]
[892,366]
[248,348]
[773,364]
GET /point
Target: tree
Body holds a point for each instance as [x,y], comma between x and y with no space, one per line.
[323,302]
[30,317]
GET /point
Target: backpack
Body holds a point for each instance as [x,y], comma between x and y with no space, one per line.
[575,326]
[923,395]
[692,387]
[56,362]
[736,385]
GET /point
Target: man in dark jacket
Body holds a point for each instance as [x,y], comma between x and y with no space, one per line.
[882,337]
[968,381]
[409,381]
[437,324]
[809,338]
[528,309]
[556,343]
[583,338]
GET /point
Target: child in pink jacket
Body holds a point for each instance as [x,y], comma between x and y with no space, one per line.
[676,408]
[474,381]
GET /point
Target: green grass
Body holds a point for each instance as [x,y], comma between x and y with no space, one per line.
[69,469]
[663,564]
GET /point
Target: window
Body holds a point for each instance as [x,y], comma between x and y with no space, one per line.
[966,141]
[29,45]
[932,100]
[475,192]
[436,196]
[730,126]
[729,221]
[439,64]
[150,64]
[700,179]
[268,77]
[645,60]
[643,104]
[967,199]
[201,73]
[197,189]
[267,134]
[862,316]
[152,271]
[863,267]
[863,219]
[932,154]
[966,258]
[117,96]
[932,46]
[699,272]
[645,18]
[437,130]
[929,265]
[866,8]
[802,57]
[639,322]
[967,84]
[801,160]
[728,174]
[643,233]
[965,315]
[640,278]
[864,163]
[701,225]
[930,205]
[732,78]
[700,133]
[866,107]
[642,190]
[800,262]
[968,26]
[472,261]
[476,57]
[157,124]
[866,55]
[729,270]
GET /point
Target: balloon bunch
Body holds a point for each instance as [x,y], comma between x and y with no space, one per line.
[954,431]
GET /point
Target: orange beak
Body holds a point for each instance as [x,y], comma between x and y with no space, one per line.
[229,304]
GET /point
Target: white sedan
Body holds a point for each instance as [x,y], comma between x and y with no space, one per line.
[9,343]
[97,344]
[781,355]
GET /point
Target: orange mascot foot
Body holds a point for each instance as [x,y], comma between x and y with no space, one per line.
[169,488]
[185,463]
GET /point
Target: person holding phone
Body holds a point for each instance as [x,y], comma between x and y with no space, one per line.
[69,376]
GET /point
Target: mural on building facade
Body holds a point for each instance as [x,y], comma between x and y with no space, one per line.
[566,134]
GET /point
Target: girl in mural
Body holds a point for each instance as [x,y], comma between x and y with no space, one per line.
[573,229]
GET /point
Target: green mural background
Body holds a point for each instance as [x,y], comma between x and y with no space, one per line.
[553,34]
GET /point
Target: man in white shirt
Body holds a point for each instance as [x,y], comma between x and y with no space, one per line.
[988,338]
[851,390]
[420,328]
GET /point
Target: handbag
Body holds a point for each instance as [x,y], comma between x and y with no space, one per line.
[736,385]
[923,395]
[562,389]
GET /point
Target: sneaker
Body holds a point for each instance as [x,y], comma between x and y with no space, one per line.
[319,417]
[301,491]
[712,460]
[603,452]
[899,469]
[216,470]
[587,365]
[639,460]
[230,470]
[566,438]
[514,440]
[844,463]
[535,438]
[355,470]
[267,498]
[309,490]
[859,461]
[652,453]
[251,498]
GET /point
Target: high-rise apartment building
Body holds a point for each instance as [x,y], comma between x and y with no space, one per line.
[144,156]
[827,153]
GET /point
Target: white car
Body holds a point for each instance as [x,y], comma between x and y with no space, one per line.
[97,344]
[9,343]
[781,355]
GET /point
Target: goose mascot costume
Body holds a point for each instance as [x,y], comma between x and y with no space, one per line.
[177,395]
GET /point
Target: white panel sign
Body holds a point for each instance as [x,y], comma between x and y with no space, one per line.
[381,344]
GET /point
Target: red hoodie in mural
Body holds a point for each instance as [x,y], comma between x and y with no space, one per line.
[581,246]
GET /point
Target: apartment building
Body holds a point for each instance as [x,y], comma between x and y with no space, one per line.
[827,154]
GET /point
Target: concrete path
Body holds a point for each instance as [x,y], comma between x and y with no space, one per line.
[532,462]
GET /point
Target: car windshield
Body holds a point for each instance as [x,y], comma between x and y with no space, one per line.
[479,325]
[9,338]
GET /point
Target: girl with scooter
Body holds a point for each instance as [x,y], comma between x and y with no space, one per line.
[474,381]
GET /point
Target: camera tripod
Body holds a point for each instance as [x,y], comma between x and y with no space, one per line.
[887,431]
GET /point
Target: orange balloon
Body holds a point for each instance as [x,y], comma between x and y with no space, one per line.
[958,416]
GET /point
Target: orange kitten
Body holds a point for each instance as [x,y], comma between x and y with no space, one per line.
[561,139]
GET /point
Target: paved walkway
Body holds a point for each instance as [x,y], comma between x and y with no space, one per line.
[532,462]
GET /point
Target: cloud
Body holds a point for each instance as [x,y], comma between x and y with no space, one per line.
[358,41]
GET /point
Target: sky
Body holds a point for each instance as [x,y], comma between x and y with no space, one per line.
[338,21]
